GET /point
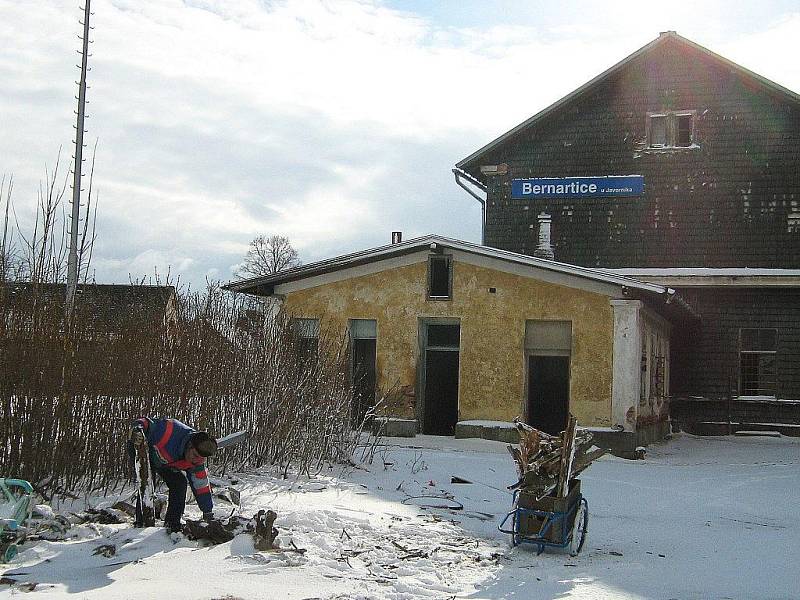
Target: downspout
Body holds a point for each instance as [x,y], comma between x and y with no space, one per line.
[461,175]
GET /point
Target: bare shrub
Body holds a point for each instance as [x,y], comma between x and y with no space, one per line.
[70,389]
[67,399]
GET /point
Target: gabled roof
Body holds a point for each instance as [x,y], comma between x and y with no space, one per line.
[107,304]
[266,284]
[662,39]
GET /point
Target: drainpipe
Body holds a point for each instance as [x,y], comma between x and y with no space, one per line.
[460,177]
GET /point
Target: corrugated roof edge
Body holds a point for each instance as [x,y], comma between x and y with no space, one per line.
[617,67]
[414,245]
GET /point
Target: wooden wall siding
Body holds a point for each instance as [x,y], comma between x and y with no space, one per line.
[706,358]
[725,204]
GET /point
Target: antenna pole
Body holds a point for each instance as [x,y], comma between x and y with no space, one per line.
[72,261]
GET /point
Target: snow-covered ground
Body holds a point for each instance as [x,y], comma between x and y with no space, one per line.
[697,518]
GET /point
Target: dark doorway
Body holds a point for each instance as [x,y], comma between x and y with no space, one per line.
[363,351]
[363,379]
[441,379]
[548,393]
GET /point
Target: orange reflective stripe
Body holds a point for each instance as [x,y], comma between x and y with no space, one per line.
[161,444]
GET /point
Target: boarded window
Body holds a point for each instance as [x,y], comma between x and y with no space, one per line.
[758,353]
[658,131]
[363,329]
[552,338]
[440,277]
[306,335]
[443,336]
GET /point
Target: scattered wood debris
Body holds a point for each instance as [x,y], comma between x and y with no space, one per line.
[546,463]
[264,533]
[107,550]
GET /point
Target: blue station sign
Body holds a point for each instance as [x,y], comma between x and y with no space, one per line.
[577,187]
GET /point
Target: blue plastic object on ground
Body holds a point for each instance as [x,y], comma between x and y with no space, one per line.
[15,510]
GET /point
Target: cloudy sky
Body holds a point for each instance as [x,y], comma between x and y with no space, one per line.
[330,122]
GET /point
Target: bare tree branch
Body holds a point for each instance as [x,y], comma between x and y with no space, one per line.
[268,255]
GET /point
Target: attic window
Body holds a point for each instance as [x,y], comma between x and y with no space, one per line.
[683,130]
[658,131]
[440,277]
[673,129]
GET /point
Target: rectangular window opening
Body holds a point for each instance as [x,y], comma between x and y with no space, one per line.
[683,130]
[670,130]
[758,361]
[440,277]
[306,335]
[658,131]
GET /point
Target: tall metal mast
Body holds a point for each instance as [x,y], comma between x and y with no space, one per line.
[72,261]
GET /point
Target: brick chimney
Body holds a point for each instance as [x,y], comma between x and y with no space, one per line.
[544,249]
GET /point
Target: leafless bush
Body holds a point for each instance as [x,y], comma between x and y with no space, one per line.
[66,403]
[69,391]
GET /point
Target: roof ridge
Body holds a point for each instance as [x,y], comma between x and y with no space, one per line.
[661,39]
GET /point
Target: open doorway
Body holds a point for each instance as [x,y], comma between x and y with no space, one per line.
[547,354]
[439,377]
[363,359]
[548,393]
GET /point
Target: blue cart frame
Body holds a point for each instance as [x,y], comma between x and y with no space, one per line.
[556,528]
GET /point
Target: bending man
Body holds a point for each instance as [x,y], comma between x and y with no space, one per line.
[177,453]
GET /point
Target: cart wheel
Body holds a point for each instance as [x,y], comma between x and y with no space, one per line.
[579,529]
[515,537]
[8,552]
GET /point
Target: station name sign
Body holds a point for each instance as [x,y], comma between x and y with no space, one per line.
[577,187]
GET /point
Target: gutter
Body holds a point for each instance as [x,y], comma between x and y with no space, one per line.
[463,175]
[674,298]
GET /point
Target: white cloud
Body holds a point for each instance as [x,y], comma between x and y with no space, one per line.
[332,122]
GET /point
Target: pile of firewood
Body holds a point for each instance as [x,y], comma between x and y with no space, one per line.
[546,463]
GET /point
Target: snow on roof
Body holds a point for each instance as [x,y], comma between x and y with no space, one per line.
[714,277]
[434,241]
[705,272]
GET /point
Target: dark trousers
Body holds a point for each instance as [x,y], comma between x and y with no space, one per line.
[176,483]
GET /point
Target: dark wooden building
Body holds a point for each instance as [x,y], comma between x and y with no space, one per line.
[718,150]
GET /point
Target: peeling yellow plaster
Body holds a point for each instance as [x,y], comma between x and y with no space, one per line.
[492,363]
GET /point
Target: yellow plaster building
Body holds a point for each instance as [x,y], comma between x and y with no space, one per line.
[457,332]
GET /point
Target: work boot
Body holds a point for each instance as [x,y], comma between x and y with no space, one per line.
[173,526]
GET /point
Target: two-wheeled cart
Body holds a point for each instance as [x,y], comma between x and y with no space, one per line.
[550,521]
